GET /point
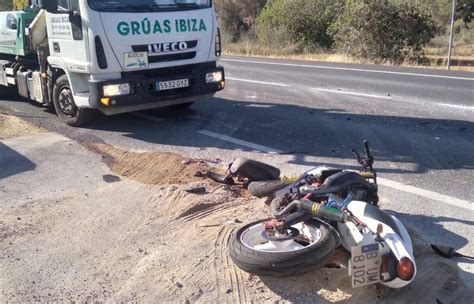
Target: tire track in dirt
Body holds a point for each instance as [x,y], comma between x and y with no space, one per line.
[234,272]
[207,212]
[228,281]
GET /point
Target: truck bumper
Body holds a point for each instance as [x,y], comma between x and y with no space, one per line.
[144,94]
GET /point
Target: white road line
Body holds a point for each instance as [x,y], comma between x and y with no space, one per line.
[146,116]
[382,181]
[258,82]
[456,106]
[259,106]
[427,194]
[316,89]
[239,142]
[354,93]
[347,69]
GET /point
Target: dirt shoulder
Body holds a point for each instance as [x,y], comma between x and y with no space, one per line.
[12,126]
[98,223]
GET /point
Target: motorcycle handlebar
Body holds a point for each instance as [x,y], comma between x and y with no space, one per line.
[367,149]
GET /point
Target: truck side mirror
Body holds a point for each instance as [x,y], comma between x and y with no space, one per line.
[13,26]
[48,5]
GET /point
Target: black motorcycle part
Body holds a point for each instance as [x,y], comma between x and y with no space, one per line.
[266,188]
[220,178]
[254,170]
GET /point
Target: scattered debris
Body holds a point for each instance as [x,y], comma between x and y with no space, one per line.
[200,174]
[448,252]
[196,190]
[109,178]
[333,265]
[201,161]
[217,188]
[207,225]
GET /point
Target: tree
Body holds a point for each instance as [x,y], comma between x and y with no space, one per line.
[232,22]
[20,4]
[250,9]
[5,5]
[303,22]
[382,31]
[465,11]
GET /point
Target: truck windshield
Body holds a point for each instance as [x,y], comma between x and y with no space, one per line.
[147,5]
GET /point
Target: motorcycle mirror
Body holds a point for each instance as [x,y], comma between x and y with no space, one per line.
[444,251]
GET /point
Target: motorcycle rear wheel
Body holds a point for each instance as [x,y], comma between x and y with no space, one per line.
[251,252]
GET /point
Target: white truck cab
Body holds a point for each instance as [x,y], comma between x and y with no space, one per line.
[117,55]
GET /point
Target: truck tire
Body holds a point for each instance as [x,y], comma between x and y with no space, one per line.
[284,263]
[66,109]
[266,188]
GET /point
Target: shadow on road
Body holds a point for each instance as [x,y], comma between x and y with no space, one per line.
[411,145]
[438,233]
[11,162]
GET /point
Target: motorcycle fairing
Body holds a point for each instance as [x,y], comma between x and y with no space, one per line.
[394,235]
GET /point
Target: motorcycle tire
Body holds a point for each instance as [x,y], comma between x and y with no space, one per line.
[286,263]
[266,188]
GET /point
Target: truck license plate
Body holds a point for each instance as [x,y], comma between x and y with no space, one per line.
[365,265]
[172,84]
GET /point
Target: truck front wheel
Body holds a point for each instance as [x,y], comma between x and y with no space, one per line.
[65,106]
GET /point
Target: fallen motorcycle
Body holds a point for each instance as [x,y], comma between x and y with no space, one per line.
[313,215]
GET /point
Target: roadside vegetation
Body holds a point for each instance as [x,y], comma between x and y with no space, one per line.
[408,32]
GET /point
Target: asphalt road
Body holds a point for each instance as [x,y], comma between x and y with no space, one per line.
[419,122]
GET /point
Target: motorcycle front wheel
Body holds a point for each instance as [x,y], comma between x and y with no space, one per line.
[311,250]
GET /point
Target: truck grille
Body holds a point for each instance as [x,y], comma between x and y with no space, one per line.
[171,57]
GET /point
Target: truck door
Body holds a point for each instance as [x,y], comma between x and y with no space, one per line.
[67,40]
[9,30]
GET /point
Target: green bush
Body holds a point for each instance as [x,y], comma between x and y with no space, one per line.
[382,31]
[301,22]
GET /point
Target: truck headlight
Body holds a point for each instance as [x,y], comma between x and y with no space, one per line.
[214,77]
[117,89]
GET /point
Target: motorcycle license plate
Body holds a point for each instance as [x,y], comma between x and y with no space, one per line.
[365,265]
[172,84]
